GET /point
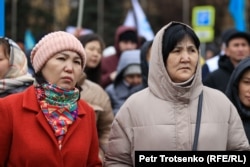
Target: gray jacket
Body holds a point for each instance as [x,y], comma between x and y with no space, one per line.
[119,91]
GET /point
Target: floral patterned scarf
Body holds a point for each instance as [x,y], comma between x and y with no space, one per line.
[59,107]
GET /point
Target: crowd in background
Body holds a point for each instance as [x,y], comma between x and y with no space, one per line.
[126,93]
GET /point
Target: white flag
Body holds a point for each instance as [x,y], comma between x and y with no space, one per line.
[130,20]
[84,31]
[143,26]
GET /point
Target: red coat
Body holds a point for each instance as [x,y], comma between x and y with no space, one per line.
[27,140]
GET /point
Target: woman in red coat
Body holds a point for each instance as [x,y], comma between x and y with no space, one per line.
[47,124]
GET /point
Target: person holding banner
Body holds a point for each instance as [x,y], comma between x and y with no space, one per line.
[176,112]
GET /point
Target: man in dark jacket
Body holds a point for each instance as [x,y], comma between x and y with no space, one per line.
[212,64]
[237,49]
[126,38]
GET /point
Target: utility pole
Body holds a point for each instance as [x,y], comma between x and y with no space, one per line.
[185,13]
[100,16]
[13,19]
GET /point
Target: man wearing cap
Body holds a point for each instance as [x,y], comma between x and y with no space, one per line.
[237,48]
[212,64]
[126,38]
[128,79]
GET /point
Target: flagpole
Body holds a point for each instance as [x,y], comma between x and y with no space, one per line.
[100,13]
[80,13]
[13,18]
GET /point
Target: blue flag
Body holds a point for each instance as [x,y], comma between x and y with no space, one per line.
[237,9]
[29,40]
[2,18]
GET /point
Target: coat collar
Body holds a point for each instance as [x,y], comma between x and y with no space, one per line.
[30,103]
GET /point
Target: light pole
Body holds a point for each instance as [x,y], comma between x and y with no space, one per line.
[185,13]
[100,16]
[13,19]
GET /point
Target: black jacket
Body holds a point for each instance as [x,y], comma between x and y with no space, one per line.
[144,63]
[220,77]
[232,94]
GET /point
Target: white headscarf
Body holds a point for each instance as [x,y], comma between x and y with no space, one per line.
[17,74]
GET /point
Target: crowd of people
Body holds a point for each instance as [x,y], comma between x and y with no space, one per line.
[64,103]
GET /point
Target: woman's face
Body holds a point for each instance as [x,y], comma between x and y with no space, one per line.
[94,54]
[182,61]
[63,69]
[244,89]
[4,63]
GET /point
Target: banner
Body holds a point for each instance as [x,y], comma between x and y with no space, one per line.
[137,18]
[82,31]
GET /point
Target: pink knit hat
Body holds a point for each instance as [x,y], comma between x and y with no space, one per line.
[53,43]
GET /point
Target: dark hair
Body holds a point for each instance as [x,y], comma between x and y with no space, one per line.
[6,46]
[93,74]
[174,34]
[39,77]
[84,39]
[237,34]
[129,36]
[144,63]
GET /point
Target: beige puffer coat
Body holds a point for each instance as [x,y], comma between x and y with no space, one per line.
[163,117]
[99,100]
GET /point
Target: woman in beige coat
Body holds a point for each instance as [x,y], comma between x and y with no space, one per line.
[163,116]
[99,100]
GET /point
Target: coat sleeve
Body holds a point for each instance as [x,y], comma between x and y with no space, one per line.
[119,147]
[104,121]
[6,133]
[93,160]
[105,75]
[237,139]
